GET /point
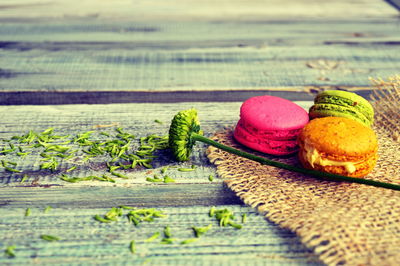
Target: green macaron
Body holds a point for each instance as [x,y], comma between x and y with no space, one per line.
[342,104]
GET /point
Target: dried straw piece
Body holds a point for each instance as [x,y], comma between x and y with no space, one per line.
[386,101]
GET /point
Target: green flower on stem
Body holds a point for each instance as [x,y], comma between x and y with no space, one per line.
[183,126]
[185,131]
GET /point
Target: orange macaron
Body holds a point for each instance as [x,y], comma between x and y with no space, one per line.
[338,145]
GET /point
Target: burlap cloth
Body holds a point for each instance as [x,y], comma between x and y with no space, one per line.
[343,223]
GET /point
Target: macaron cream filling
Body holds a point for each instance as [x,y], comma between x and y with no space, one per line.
[313,157]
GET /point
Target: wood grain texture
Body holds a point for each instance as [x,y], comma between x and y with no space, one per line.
[193,10]
[95,60]
[187,202]
[130,70]
[86,241]
[114,57]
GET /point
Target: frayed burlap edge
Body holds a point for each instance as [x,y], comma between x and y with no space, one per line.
[343,223]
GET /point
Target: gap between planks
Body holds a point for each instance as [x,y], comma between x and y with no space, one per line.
[108,97]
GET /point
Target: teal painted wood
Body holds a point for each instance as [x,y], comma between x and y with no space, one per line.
[86,241]
[81,34]
[215,69]
[187,10]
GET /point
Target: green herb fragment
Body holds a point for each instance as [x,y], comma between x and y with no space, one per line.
[168,179]
[45,155]
[71,169]
[167,240]
[5,163]
[112,168]
[225,218]
[132,247]
[27,212]
[188,241]
[212,211]
[119,175]
[83,139]
[153,237]
[49,238]
[211,178]
[56,148]
[126,207]
[66,178]
[101,219]
[124,135]
[237,226]
[154,180]
[105,178]
[24,178]
[9,252]
[4,151]
[12,169]
[23,154]
[51,165]
[48,131]
[198,231]
[47,209]
[158,121]
[105,134]
[147,165]
[244,218]
[167,232]
[113,214]
[185,169]
[29,137]
[164,169]
[138,216]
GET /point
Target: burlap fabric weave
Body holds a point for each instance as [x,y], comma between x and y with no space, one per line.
[344,223]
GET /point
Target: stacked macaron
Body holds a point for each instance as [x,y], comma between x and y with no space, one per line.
[338,140]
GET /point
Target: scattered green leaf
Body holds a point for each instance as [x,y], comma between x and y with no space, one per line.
[49,238]
[9,251]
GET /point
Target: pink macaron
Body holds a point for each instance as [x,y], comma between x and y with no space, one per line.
[270,124]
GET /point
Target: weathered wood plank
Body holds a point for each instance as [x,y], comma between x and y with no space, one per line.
[102,35]
[193,10]
[216,69]
[95,195]
[86,241]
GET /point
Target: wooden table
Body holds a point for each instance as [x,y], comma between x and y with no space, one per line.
[79,66]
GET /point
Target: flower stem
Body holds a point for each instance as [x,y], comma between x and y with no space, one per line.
[317,174]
